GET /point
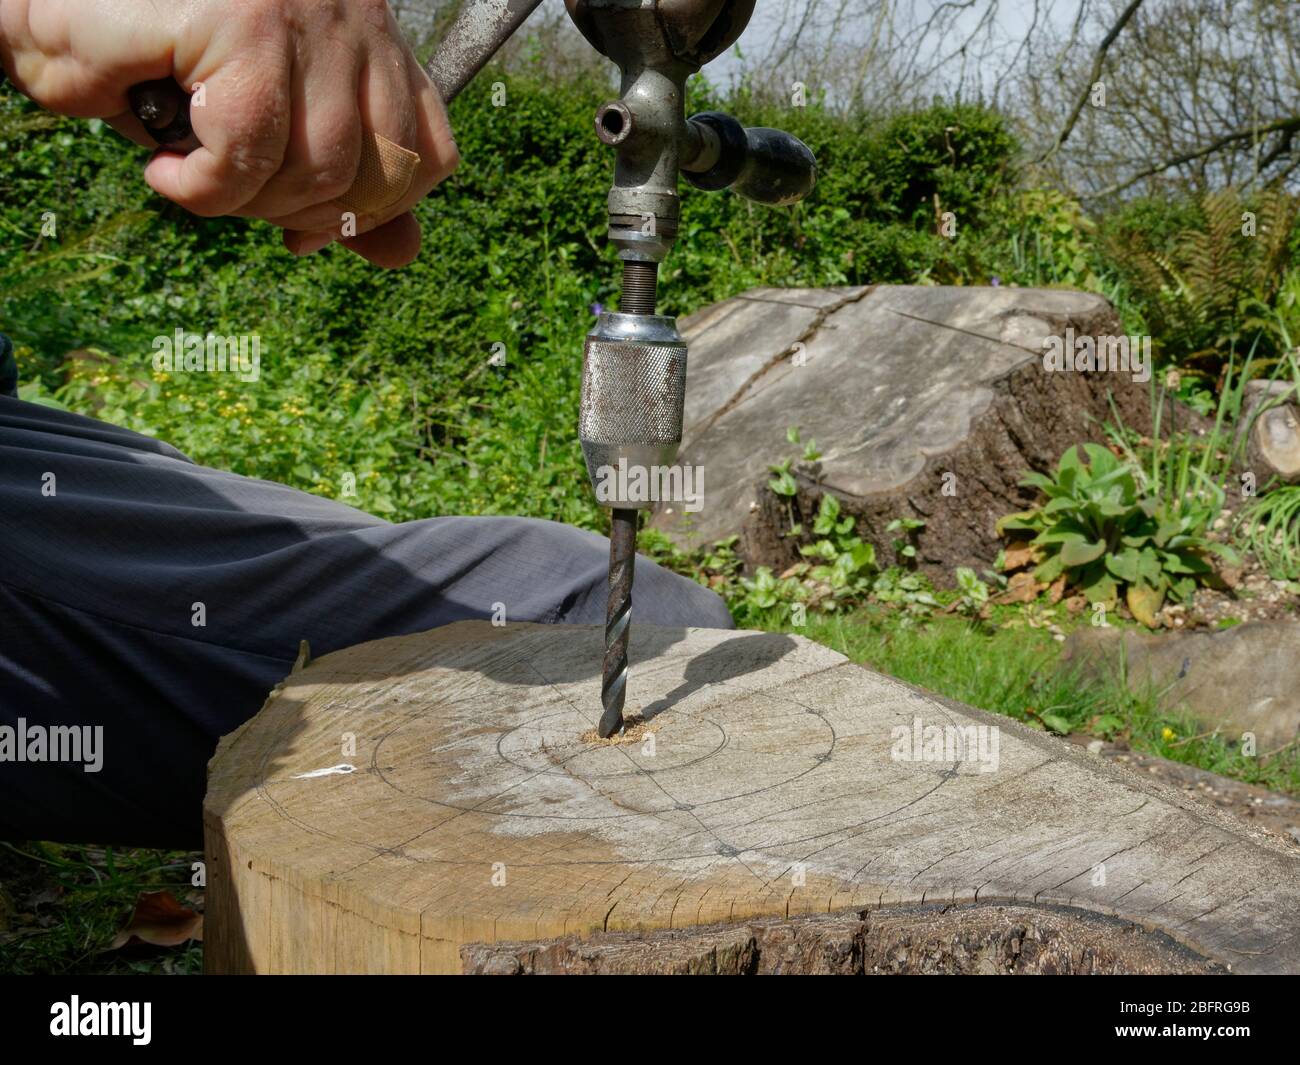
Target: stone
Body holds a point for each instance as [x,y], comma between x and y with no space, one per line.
[1239,679]
[926,402]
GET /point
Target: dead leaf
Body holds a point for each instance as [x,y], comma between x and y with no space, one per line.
[1144,602]
[1022,588]
[160,921]
[44,896]
[1056,590]
[1076,604]
[1017,556]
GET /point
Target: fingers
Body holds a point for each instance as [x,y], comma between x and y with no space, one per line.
[286,117]
[244,124]
[394,243]
[132,129]
[323,151]
[409,112]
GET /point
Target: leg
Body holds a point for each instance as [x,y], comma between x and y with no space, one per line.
[161,600]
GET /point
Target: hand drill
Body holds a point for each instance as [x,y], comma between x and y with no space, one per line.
[634,367]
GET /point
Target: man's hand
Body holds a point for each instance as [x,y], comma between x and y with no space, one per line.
[288,88]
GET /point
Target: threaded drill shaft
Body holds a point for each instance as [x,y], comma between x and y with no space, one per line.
[640,279]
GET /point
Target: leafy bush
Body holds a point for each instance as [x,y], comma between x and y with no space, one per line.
[1101,531]
[838,573]
[973,592]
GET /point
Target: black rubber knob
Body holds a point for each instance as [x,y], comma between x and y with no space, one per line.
[765,165]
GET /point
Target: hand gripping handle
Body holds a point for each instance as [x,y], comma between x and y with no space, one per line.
[386,169]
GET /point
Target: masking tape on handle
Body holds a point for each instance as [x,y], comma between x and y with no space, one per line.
[384,176]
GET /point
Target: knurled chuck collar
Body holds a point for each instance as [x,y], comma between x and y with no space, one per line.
[633,397]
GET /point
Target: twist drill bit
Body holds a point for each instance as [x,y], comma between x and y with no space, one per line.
[618,620]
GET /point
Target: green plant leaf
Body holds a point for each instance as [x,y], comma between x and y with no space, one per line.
[827,514]
[1056,723]
[1049,569]
[1123,564]
[1080,553]
[783,484]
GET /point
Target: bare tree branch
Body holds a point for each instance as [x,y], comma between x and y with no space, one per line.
[1287,126]
[1098,62]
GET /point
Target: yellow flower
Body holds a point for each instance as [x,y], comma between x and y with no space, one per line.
[1168,734]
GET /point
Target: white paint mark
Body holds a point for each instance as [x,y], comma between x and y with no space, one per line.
[344,768]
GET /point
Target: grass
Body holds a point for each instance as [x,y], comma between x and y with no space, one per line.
[61,906]
[1017,672]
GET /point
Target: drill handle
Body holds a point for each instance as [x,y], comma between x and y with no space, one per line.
[764,165]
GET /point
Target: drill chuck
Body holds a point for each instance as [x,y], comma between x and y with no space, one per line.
[633,392]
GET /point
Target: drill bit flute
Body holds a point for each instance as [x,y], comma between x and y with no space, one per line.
[634,365]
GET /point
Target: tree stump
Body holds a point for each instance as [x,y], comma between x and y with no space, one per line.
[1272,421]
[412,804]
[926,403]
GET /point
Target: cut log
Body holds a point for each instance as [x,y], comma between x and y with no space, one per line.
[411,804]
[1272,421]
[926,403]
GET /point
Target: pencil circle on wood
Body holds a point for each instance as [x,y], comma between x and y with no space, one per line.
[514,752]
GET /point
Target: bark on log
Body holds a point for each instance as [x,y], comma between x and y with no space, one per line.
[974,939]
[396,803]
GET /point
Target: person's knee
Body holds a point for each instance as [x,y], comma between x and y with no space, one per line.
[659,596]
[662,597]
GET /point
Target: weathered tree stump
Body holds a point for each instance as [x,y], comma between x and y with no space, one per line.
[417,803]
[926,403]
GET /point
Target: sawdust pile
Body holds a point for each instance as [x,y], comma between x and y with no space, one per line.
[635,728]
